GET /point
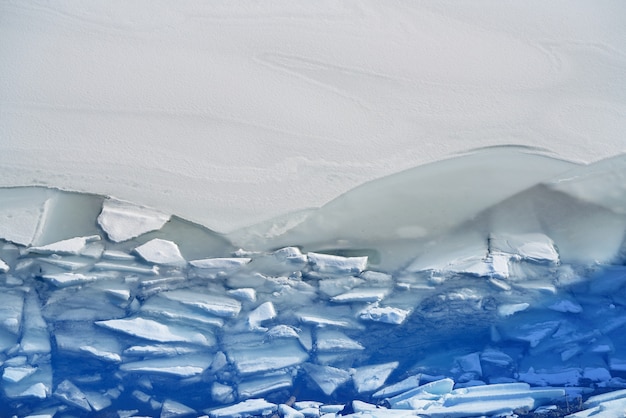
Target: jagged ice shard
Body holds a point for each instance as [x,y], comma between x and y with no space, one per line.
[488,284]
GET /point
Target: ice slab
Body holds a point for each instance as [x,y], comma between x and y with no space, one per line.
[334,264]
[123,220]
[535,247]
[156,331]
[221,306]
[371,377]
[326,377]
[22,213]
[255,387]
[181,366]
[172,409]
[69,279]
[334,340]
[274,355]
[72,395]
[260,314]
[386,315]
[250,407]
[161,251]
[71,246]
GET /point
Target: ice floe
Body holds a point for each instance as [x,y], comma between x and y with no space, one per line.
[483,320]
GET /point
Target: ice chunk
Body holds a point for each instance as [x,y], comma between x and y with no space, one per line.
[123,221]
[361,295]
[171,409]
[288,412]
[69,279]
[72,395]
[407,384]
[273,355]
[371,377]
[333,340]
[35,337]
[222,393]
[387,315]
[85,338]
[282,331]
[15,374]
[180,366]
[160,350]
[330,317]
[156,331]
[334,264]
[326,377]
[221,306]
[211,267]
[161,307]
[252,387]
[429,391]
[126,268]
[11,306]
[247,294]
[71,246]
[512,308]
[250,407]
[336,286]
[263,312]
[4,267]
[161,251]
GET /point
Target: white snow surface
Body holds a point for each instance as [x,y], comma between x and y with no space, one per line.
[221,112]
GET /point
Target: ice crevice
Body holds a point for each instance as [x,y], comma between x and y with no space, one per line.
[513,305]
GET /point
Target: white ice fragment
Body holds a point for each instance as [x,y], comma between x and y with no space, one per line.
[338,285]
[247,294]
[123,221]
[69,279]
[222,393]
[11,307]
[270,356]
[253,387]
[333,340]
[160,350]
[161,307]
[326,319]
[535,247]
[39,390]
[221,306]
[70,394]
[512,309]
[326,377]
[429,391]
[387,315]
[180,366]
[405,385]
[604,397]
[16,374]
[160,251]
[35,336]
[97,400]
[4,267]
[335,264]
[250,407]
[117,255]
[71,246]
[566,306]
[369,378]
[220,264]
[290,254]
[286,411]
[282,331]
[156,331]
[361,295]
[262,313]
[126,268]
[171,409]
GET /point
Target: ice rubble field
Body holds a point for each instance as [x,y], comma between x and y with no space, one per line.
[515,305]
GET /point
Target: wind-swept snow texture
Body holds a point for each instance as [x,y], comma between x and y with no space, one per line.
[504,296]
[227,113]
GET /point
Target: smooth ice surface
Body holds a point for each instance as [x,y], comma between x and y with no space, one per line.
[182,110]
